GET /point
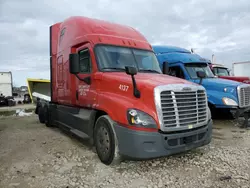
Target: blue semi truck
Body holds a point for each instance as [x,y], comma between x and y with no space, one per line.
[222,94]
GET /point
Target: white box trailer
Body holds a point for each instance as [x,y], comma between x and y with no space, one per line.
[6,84]
[241,68]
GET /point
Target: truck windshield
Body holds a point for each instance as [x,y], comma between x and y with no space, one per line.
[220,71]
[113,58]
[192,69]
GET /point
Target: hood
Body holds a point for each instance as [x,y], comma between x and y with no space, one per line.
[218,83]
[243,79]
[118,86]
[121,83]
[145,79]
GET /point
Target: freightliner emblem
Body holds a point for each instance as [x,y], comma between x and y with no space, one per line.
[186,89]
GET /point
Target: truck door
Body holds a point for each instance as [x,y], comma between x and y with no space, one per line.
[85,92]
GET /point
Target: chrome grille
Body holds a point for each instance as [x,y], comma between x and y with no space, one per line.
[244,95]
[179,109]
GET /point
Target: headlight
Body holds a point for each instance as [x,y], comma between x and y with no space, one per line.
[229,102]
[140,119]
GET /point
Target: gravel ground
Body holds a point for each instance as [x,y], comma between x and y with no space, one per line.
[32,155]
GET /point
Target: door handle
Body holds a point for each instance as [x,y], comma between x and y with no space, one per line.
[76,94]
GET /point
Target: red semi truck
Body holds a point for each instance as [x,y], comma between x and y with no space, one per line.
[107,86]
[223,72]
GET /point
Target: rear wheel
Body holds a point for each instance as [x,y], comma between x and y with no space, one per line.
[47,120]
[105,141]
[41,114]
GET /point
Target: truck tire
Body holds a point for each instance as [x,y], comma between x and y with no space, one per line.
[47,120]
[105,141]
[11,102]
[38,105]
[41,114]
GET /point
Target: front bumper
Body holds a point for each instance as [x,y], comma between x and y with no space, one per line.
[243,112]
[146,145]
[239,112]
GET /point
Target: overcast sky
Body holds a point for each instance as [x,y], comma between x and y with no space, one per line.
[219,27]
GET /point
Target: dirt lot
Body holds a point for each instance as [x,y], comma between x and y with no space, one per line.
[32,155]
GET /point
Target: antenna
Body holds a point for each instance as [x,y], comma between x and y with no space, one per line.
[192,50]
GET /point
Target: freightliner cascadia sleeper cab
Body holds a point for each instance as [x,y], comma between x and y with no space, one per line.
[106,85]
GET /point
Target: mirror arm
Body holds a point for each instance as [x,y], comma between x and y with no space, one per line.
[137,93]
[200,81]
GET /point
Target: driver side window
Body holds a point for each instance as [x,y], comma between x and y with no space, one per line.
[85,61]
[177,72]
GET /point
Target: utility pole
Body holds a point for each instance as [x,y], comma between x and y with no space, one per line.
[213,58]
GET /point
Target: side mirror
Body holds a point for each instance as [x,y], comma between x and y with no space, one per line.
[131,71]
[201,75]
[165,67]
[74,65]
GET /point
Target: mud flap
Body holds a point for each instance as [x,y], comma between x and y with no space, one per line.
[118,158]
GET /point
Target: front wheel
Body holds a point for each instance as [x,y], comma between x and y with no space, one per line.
[105,141]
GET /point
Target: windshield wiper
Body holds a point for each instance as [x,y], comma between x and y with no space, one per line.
[150,70]
[114,68]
